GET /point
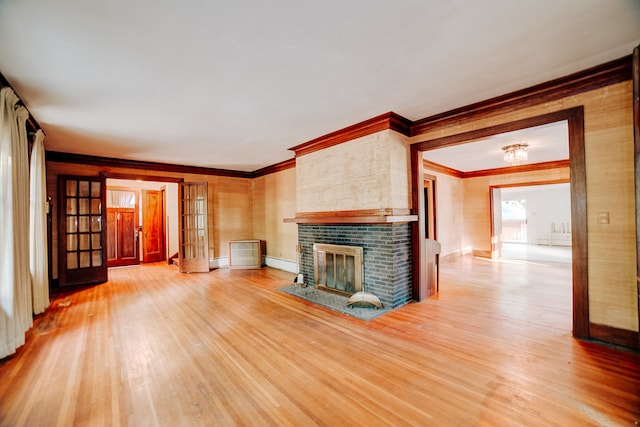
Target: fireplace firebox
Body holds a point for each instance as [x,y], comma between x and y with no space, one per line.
[337,268]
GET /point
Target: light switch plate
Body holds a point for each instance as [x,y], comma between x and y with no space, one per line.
[603,217]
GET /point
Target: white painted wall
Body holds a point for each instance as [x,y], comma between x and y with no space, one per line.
[546,204]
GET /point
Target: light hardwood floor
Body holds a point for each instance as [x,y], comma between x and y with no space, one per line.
[153,347]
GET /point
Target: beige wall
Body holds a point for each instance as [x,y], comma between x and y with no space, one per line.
[613,299]
[274,200]
[371,172]
[449,213]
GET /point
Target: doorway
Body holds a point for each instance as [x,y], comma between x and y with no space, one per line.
[535,222]
[122,226]
[574,118]
[156,220]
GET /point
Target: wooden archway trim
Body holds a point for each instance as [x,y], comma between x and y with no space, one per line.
[575,120]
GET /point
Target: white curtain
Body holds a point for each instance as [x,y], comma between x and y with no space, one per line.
[15,279]
[121,199]
[38,261]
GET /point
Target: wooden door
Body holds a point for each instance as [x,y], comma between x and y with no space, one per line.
[81,231]
[152,225]
[193,250]
[122,237]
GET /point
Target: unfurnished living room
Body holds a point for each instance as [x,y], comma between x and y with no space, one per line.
[330,213]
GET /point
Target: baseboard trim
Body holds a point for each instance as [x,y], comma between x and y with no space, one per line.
[617,336]
[481,254]
[220,262]
[282,264]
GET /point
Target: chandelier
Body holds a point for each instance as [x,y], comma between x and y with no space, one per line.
[515,153]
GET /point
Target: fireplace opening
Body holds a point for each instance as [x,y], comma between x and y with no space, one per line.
[338,268]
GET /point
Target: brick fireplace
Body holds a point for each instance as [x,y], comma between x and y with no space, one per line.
[387,255]
[353,189]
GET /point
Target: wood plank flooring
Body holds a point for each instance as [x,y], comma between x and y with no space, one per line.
[154,347]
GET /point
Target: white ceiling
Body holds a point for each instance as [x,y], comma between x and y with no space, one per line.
[545,144]
[234,84]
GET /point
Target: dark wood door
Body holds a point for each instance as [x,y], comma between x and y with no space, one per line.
[122,237]
[81,231]
[152,225]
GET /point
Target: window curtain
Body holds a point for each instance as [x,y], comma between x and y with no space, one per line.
[15,279]
[38,261]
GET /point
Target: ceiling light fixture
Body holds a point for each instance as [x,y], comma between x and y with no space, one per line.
[515,153]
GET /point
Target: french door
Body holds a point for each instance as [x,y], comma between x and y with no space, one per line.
[193,237]
[81,231]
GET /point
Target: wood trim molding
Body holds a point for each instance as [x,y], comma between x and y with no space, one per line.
[60,157]
[533,183]
[376,124]
[579,228]
[364,216]
[575,119]
[617,336]
[461,138]
[437,167]
[278,167]
[636,159]
[418,228]
[556,164]
[136,176]
[593,78]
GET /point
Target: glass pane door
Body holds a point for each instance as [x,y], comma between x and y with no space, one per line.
[81,234]
[194,240]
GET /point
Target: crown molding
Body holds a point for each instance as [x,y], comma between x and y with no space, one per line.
[376,124]
[57,156]
[287,164]
[436,167]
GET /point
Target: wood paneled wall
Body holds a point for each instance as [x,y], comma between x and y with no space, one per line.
[610,188]
[274,200]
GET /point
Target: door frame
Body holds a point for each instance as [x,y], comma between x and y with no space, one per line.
[578,179]
[153,178]
[635,71]
[137,220]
